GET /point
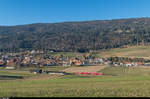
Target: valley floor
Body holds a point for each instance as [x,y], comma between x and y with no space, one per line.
[117,82]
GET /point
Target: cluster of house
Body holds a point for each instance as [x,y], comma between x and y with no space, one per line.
[128,64]
[30,60]
[11,60]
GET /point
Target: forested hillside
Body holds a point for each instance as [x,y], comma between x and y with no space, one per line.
[76,36]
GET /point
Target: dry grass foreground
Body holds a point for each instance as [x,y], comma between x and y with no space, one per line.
[84,69]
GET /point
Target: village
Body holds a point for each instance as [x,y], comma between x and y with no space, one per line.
[39,59]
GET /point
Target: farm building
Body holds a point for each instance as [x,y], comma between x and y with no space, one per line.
[36,71]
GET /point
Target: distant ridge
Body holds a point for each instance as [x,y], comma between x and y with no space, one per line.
[76,36]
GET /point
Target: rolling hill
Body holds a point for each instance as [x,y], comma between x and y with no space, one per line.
[76,36]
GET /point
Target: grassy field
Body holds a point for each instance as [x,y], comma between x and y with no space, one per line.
[74,69]
[67,54]
[49,68]
[117,82]
[132,51]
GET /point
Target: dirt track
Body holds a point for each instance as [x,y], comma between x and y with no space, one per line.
[84,69]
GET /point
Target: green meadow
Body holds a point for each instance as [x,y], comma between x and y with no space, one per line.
[117,82]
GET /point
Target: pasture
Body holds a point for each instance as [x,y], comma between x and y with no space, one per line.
[117,82]
[131,51]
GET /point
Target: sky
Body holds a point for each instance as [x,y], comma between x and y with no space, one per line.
[20,12]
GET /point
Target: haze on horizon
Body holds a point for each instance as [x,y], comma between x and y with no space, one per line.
[19,12]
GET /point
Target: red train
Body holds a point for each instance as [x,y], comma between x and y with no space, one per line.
[90,73]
